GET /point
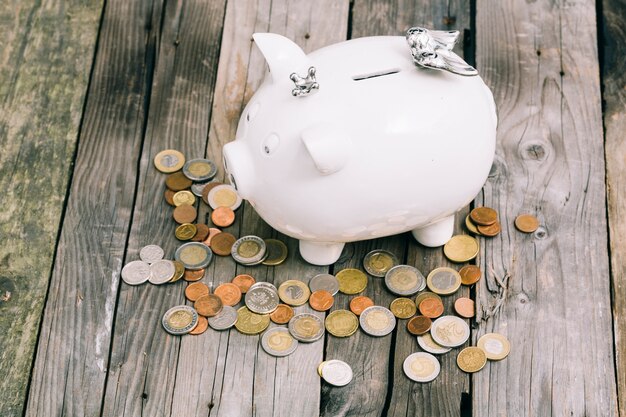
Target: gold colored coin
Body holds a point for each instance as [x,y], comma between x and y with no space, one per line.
[403,308]
[184,197]
[248,249]
[424,295]
[342,323]
[495,345]
[251,323]
[225,197]
[169,161]
[276,252]
[471,226]
[294,292]
[185,231]
[319,368]
[351,281]
[199,168]
[461,248]
[443,281]
[471,359]
[179,271]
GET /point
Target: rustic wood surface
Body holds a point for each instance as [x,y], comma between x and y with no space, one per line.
[177,74]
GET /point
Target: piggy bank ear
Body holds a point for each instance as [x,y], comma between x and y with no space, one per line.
[329,146]
[282,55]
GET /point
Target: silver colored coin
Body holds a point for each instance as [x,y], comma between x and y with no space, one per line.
[197,187]
[306,327]
[450,331]
[326,282]
[258,262]
[336,372]
[421,367]
[151,253]
[194,255]
[377,321]
[200,170]
[248,242]
[427,343]
[264,284]
[261,299]
[404,280]
[162,271]
[136,272]
[225,319]
[277,341]
[379,261]
[180,320]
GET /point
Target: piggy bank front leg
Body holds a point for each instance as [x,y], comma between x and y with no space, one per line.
[320,253]
[435,234]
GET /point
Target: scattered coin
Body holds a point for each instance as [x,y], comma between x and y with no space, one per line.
[208,305]
[483,216]
[202,231]
[179,320]
[431,307]
[351,281]
[282,314]
[321,300]
[248,250]
[223,216]
[342,323]
[404,280]
[197,187]
[489,231]
[136,272]
[495,345]
[471,359]
[229,293]
[443,281]
[177,182]
[194,255]
[424,295]
[169,196]
[427,343]
[185,214]
[326,282]
[201,327]
[222,243]
[526,223]
[207,189]
[464,307]
[179,271]
[261,299]
[471,227]
[403,308]
[449,331]
[169,160]
[200,170]
[418,325]
[294,292]
[470,274]
[212,232]
[306,327]
[244,282]
[249,322]
[162,271]
[224,195]
[151,253]
[184,197]
[278,342]
[360,303]
[185,231]
[224,320]
[336,372]
[377,321]
[461,248]
[192,276]
[379,261]
[276,252]
[421,367]
[196,290]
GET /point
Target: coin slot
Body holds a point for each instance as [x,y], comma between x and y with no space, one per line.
[375,74]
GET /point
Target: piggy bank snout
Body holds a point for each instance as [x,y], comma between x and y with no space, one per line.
[238,167]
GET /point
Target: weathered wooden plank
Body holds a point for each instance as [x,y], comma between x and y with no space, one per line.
[45,59]
[547,292]
[614,97]
[142,373]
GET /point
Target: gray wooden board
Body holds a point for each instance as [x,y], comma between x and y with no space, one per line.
[142,371]
[548,292]
[614,96]
[73,351]
[46,51]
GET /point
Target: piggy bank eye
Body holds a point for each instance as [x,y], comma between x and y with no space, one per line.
[270,144]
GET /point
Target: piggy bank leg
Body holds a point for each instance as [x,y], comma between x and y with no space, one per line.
[320,253]
[435,234]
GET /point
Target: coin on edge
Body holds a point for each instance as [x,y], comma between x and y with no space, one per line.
[169,160]
[179,320]
[403,308]
[342,323]
[282,314]
[421,367]
[404,280]
[360,303]
[294,292]
[277,341]
[450,331]
[461,248]
[151,253]
[351,281]
[471,359]
[443,281]
[377,321]
[495,345]
[136,272]
[427,343]
[306,327]
[326,282]
[277,252]
[337,373]
[526,223]
[208,305]
[223,320]
[378,262]
[194,255]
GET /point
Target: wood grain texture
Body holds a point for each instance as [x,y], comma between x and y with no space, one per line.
[46,51]
[614,96]
[548,292]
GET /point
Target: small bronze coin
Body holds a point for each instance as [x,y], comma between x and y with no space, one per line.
[321,300]
[196,290]
[169,197]
[489,231]
[222,243]
[229,293]
[419,325]
[201,327]
[177,181]
[185,214]
[526,223]
[191,276]
[360,303]
[202,232]
[470,274]
[431,307]
[185,231]
[282,314]
[208,305]
[464,307]
[483,216]
[223,216]
[207,189]
[244,282]
[212,232]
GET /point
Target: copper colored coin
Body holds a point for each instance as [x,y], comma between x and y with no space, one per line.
[212,232]
[526,223]
[208,305]
[196,290]
[464,307]
[489,231]
[222,243]
[483,216]
[201,327]
[177,181]
[169,197]
[191,276]
[207,189]
[244,282]
[419,325]
[321,300]
[282,314]
[223,216]
[360,303]
[185,214]
[202,231]
[470,274]
[229,293]
[431,307]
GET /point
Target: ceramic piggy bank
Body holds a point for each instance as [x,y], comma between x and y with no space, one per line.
[355,141]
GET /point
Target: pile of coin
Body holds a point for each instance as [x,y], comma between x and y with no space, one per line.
[151,267]
[483,221]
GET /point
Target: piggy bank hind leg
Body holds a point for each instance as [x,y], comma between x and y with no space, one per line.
[320,253]
[435,234]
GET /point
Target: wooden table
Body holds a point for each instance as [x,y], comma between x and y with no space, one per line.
[91,92]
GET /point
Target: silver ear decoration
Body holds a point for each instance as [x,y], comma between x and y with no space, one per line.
[433,49]
[304,85]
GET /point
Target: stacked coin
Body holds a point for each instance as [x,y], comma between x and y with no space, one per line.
[483,221]
[152,267]
[249,250]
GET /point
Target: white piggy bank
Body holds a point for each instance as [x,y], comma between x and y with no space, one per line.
[378,147]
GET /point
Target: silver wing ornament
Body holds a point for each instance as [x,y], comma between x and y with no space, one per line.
[433,49]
